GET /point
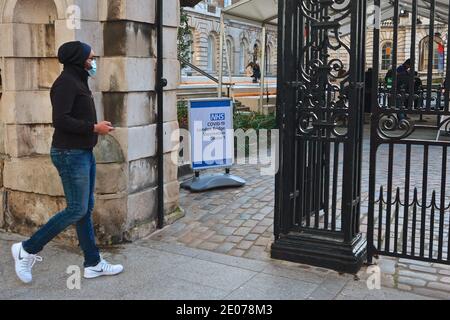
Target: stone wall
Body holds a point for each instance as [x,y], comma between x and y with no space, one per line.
[123,36]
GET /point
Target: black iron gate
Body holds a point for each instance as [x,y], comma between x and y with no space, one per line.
[319,112]
[408,195]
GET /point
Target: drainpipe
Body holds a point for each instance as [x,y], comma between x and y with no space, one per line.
[160,84]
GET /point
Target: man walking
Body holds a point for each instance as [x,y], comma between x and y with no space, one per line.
[76,134]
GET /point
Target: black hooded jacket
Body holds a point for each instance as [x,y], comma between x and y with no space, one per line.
[74,114]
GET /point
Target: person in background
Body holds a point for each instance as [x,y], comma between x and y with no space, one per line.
[403,78]
[76,134]
[249,70]
[256,73]
[368,91]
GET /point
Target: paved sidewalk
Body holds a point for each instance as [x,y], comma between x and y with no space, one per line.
[156,270]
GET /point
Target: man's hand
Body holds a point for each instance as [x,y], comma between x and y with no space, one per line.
[103,128]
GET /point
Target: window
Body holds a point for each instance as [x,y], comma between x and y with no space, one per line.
[256,53]
[211,53]
[230,53]
[438,54]
[386,56]
[227,3]
[243,56]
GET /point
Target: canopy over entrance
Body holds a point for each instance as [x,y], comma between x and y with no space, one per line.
[254,11]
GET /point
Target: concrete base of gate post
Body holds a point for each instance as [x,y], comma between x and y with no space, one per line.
[322,251]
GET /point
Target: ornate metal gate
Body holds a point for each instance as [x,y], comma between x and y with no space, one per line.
[317,214]
[408,195]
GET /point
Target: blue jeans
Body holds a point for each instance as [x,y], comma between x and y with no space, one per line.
[77,169]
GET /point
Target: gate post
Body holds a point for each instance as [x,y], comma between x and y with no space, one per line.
[320,116]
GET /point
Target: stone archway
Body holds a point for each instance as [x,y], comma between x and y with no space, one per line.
[30,65]
[13,10]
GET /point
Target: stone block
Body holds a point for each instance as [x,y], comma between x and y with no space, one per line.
[133,10]
[27,140]
[108,150]
[142,207]
[126,74]
[26,107]
[88,9]
[170,106]
[171,72]
[129,109]
[90,32]
[171,196]
[142,174]
[36,175]
[6,40]
[2,208]
[170,167]
[111,178]
[2,138]
[98,100]
[171,136]
[170,50]
[110,214]
[32,210]
[137,142]
[130,39]
[2,164]
[30,74]
[171,13]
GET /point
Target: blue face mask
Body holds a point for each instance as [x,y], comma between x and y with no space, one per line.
[93,71]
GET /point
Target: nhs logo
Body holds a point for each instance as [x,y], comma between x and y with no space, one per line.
[217,117]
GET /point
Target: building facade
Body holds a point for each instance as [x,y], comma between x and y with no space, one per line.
[242,45]
[403,42]
[123,36]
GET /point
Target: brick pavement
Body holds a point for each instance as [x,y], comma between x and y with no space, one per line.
[239,222]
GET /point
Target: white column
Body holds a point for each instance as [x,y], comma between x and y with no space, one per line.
[222,34]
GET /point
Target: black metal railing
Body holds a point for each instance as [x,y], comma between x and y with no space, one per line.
[408,212]
[228,85]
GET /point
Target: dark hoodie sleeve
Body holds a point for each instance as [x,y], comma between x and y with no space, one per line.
[63,97]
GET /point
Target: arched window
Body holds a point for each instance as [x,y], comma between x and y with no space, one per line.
[190,40]
[230,52]
[438,53]
[211,53]
[256,52]
[243,56]
[386,56]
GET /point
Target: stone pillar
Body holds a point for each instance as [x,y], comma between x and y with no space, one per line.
[127,82]
[122,34]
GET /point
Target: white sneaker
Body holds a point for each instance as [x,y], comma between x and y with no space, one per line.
[103,268]
[24,262]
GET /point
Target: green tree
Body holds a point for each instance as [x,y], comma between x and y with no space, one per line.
[184,38]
